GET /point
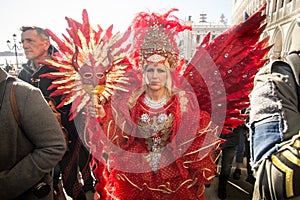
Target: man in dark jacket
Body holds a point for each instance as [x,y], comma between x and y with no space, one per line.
[229,146]
[37,48]
[29,151]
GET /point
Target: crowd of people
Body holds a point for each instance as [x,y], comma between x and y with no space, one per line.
[93,115]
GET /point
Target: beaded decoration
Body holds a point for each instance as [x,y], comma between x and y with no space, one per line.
[155,38]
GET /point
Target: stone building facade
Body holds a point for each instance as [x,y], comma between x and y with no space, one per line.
[281,20]
[191,39]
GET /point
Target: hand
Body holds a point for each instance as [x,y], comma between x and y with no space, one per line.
[96,110]
[100,111]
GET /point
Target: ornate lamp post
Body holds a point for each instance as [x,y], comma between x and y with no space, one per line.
[14,47]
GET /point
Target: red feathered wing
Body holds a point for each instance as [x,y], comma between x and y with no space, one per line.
[221,71]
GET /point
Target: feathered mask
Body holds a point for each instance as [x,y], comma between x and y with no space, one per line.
[90,64]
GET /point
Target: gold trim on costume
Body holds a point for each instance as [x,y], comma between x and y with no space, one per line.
[288,175]
[200,149]
[201,132]
[183,101]
[123,177]
[297,144]
[164,188]
[291,157]
[202,188]
[155,58]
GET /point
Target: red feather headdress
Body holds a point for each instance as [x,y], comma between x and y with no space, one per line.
[155,38]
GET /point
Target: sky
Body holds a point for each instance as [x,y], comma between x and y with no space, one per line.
[51,14]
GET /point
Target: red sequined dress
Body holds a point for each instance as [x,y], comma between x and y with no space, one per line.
[161,157]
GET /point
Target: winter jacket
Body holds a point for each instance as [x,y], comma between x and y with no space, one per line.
[28,154]
[274,114]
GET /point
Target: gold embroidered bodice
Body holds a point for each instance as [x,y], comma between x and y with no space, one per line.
[156,129]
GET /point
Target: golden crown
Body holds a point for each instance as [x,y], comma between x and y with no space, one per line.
[155,37]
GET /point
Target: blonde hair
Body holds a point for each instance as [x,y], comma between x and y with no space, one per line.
[138,92]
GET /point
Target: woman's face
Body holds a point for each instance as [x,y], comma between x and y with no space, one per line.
[156,76]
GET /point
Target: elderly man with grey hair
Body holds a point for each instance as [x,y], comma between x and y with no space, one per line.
[37,48]
[275,124]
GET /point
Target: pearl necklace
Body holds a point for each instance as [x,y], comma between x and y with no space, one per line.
[155,104]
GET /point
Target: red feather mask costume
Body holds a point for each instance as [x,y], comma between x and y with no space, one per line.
[157,148]
[91,64]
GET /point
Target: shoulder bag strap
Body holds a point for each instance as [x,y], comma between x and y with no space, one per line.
[13,104]
[2,91]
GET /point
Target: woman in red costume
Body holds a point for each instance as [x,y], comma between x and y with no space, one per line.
[154,135]
[159,129]
[159,135]
[162,140]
